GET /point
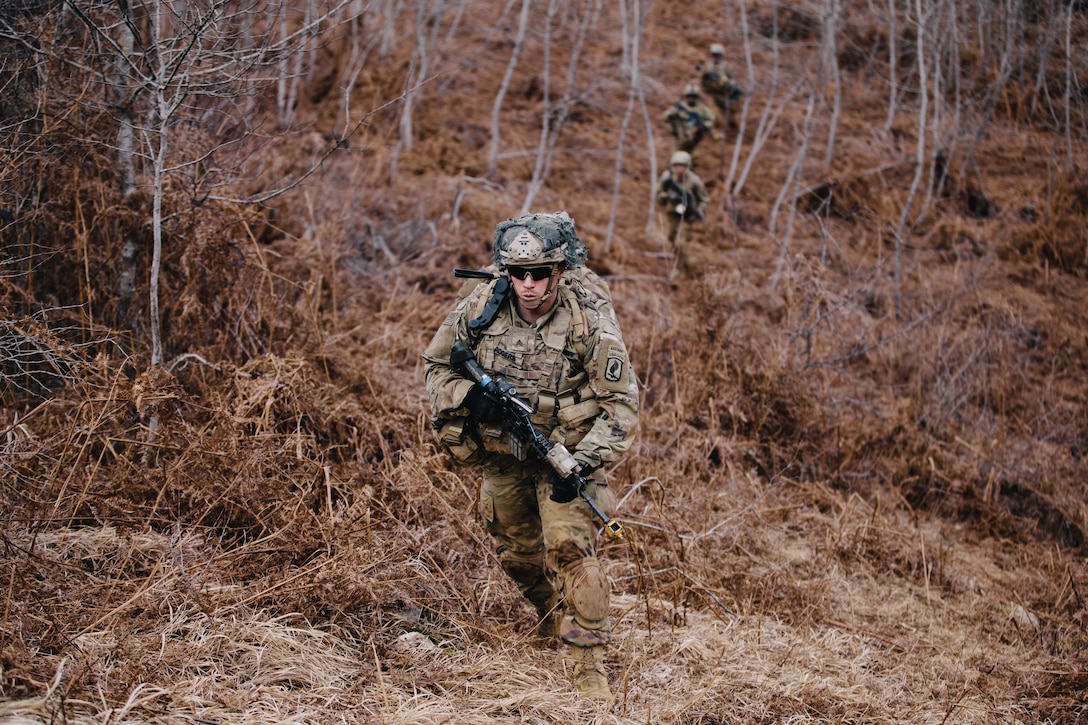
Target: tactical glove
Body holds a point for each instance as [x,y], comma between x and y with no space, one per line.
[587,463]
[564,490]
[481,407]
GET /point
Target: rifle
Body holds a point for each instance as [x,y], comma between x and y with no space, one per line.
[684,196]
[516,418]
[473,273]
[694,119]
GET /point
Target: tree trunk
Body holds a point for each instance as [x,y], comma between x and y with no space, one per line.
[519,40]
[631,37]
[920,159]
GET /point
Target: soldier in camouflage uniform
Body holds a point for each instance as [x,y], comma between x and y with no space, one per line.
[690,121]
[556,339]
[683,197]
[717,82]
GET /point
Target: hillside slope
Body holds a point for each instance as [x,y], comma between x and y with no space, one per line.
[858,490]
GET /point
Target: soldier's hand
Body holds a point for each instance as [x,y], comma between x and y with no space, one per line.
[564,490]
[586,469]
[482,407]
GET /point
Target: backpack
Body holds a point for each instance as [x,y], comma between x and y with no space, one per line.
[584,281]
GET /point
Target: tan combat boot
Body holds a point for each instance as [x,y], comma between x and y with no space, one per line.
[589,674]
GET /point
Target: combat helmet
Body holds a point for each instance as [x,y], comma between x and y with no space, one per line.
[691,90]
[538,239]
[682,158]
[717,49]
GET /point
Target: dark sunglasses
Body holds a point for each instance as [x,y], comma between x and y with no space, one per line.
[537,273]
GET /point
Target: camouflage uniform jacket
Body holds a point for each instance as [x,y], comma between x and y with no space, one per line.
[666,197]
[571,366]
[716,78]
[718,83]
[689,124]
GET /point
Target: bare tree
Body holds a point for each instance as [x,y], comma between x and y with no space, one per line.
[359,49]
[423,52]
[893,66]
[829,70]
[772,110]
[947,96]
[126,145]
[789,192]
[184,70]
[633,27]
[750,75]
[550,130]
[1070,79]
[496,109]
[651,150]
[920,14]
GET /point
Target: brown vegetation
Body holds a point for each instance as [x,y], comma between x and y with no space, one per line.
[858,492]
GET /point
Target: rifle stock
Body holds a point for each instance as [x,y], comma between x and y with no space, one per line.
[473,273]
[517,420]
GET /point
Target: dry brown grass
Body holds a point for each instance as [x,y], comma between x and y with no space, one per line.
[834,513]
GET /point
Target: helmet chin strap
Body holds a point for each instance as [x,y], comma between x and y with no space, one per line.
[553,282]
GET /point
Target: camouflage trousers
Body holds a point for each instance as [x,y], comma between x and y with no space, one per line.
[549,548]
[678,234]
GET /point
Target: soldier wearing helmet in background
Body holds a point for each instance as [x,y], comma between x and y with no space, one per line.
[561,347]
[689,121]
[682,195]
[717,82]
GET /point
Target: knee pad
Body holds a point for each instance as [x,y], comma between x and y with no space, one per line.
[572,633]
[587,591]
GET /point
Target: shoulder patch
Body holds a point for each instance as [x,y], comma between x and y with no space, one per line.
[612,366]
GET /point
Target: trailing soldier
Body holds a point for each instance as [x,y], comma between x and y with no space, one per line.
[683,197]
[717,81]
[690,121]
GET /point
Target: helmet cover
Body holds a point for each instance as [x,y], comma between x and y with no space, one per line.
[682,158]
[538,239]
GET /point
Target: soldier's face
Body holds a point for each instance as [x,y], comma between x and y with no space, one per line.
[529,289]
[691,100]
[678,170]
